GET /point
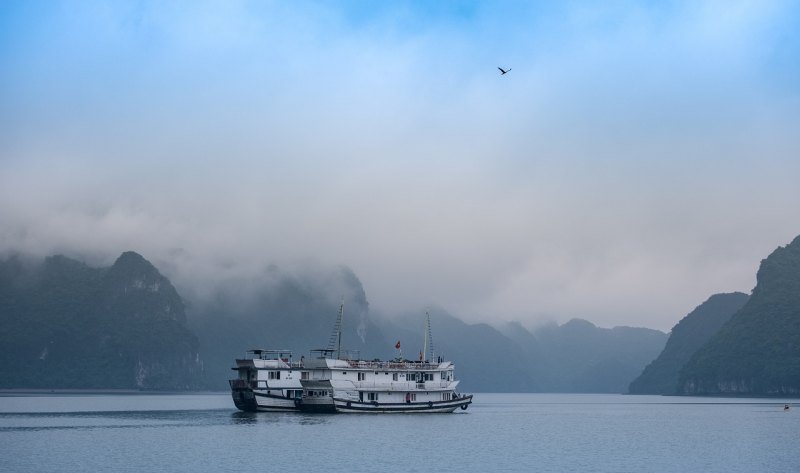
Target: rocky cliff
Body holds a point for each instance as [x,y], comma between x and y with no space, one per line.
[757,352]
[68,325]
[688,336]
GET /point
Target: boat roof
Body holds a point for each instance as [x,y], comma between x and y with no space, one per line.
[340,353]
[259,351]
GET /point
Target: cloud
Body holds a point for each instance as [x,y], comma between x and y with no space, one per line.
[635,160]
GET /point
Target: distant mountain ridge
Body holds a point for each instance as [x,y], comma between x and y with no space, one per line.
[485,359]
[583,358]
[69,325]
[574,357]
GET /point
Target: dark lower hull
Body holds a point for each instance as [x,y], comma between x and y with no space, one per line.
[317,408]
[345,406]
[244,400]
[255,400]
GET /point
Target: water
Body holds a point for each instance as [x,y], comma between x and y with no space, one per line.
[499,432]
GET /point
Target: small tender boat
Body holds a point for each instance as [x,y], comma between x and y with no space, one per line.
[268,381]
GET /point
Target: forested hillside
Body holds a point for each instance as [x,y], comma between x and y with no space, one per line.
[66,325]
[691,333]
[757,352]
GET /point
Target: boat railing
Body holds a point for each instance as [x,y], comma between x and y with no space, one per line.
[393,365]
[280,363]
[401,386]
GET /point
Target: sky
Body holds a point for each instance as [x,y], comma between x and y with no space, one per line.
[637,158]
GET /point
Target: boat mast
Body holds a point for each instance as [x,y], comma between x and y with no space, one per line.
[339,324]
[428,337]
[335,342]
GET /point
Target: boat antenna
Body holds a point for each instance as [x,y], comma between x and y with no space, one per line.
[335,342]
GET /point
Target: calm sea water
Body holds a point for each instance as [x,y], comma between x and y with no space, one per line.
[499,432]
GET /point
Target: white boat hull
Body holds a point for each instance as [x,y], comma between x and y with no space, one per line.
[257,400]
[345,406]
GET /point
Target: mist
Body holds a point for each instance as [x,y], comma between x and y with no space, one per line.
[636,159]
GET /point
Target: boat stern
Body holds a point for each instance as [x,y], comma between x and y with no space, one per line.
[243,397]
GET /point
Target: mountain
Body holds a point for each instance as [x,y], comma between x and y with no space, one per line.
[757,352]
[278,309]
[583,358]
[67,325]
[574,357]
[688,336]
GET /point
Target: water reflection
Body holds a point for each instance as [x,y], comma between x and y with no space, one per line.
[244,418]
[10,422]
[314,419]
[252,418]
[111,420]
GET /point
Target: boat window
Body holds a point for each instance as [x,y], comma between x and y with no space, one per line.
[411,377]
[394,376]
[372,396]
[362,376]
[304,375]
[274,375]
[428,376]
[444,376]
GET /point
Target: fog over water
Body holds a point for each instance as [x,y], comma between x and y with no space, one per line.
[638,157]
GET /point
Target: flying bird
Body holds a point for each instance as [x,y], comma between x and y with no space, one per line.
[503,71]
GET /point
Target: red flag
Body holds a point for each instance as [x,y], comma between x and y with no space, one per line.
[397,345]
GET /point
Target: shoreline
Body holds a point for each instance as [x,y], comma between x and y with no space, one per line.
[24,391]
[7,392]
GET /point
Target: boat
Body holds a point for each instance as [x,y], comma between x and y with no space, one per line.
[337,382]
[268,380]
[402,386]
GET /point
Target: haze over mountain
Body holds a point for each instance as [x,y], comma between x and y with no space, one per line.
[69,325]
[125,327]
[283,310]
[639,157]
[583,358]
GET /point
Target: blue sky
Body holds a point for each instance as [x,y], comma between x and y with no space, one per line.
[639,157]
